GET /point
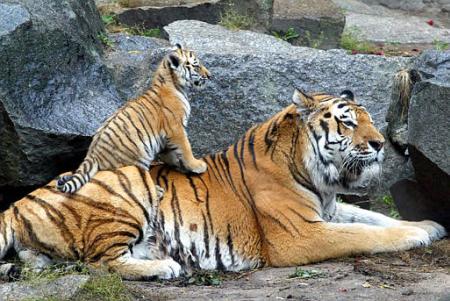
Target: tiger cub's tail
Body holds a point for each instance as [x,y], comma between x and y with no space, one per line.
[71,183]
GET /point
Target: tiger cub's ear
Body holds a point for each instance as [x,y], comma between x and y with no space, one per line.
[174,61]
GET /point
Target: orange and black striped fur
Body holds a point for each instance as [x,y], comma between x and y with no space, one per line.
[105,224]
[148,125]
[269,199]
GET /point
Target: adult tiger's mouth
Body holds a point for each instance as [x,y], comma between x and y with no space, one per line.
[359,174]
[199,83]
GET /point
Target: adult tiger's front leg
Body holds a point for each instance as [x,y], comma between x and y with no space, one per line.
[294,232]
[346,213]
[323,240]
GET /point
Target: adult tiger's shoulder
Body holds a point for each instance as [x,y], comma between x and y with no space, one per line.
[144,127]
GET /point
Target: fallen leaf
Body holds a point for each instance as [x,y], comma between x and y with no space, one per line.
[343,290]
[430,22]
[366,284]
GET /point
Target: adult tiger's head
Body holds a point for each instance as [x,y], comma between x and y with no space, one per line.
[189,71]
[345,150]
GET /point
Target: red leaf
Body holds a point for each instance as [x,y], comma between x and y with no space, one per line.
[354,51]
[430,22]
[380,52]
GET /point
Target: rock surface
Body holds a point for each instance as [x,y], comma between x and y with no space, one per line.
[53,86]
[132,61]
[156,14]
[381,24]
[359,279]
[60,289]
[429,133]
[318,22]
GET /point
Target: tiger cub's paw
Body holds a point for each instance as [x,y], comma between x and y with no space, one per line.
[198,166]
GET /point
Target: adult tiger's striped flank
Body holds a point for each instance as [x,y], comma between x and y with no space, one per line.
[148,125]
[107,223]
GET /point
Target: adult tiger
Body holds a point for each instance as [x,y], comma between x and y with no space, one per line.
[143,127]
[269,199]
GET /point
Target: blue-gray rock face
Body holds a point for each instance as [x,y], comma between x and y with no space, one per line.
[54,87]
[429,127]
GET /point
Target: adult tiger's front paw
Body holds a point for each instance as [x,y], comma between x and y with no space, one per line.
[434,230]
[409,237]
[198,166]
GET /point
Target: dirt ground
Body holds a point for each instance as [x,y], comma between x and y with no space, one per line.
[422,274]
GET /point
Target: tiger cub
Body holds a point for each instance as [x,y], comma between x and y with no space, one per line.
[148,125]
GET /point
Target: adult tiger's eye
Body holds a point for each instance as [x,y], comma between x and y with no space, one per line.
[349,123]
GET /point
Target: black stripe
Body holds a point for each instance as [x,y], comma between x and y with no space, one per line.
[102,254]
[205,236]
[219,263]
[303,218]
[146,185]
[31,234]
[230,244]
[251,147]
[194,188]
[60,224]
[126,185]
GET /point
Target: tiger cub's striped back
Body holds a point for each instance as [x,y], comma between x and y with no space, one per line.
[142,128]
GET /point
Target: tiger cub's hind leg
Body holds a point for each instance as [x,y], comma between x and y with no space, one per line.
[143,269]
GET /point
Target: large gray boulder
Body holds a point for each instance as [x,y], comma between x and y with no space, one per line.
[429,133]
[63,288]
[159,13]
[256,75]
[54,89]
[319,23]
[428,137]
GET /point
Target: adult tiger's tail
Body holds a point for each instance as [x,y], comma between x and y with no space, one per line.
[71,183]
[6,234]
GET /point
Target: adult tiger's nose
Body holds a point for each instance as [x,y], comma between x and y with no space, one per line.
[376,144]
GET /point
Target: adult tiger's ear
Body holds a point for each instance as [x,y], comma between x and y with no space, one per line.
[303,100]
[348,95]
[174,61]
[305,103]
[178,46]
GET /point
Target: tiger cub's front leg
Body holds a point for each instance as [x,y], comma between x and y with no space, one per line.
[180,154]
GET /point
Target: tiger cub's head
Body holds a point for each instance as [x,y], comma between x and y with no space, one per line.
[190,72]
[346,150]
